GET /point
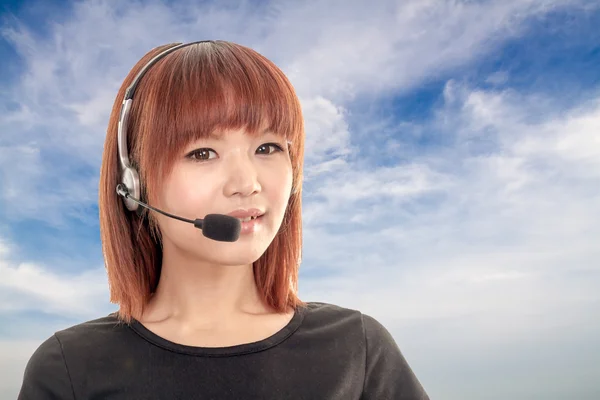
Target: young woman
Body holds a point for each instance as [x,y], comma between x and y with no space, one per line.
[198,129]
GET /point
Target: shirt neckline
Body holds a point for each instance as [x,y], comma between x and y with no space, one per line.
[240,349]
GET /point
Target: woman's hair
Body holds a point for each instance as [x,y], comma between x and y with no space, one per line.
[190,93]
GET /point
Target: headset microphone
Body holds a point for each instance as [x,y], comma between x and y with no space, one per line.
[219,227]
[223,228]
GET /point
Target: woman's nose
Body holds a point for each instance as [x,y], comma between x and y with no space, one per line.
[242,177]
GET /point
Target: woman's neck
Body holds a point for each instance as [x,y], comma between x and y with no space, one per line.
[202,295]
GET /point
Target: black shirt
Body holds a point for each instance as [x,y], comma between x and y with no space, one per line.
[324,352]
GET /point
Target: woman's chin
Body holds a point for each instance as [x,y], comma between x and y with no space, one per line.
[238,257]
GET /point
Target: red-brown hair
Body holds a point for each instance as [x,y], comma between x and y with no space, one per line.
[189,94]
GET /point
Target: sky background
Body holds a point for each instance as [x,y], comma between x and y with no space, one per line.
[452,178]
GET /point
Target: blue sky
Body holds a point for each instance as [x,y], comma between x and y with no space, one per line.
[452,184]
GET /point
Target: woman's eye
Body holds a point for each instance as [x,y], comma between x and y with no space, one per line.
[264,148]
[201,154]
[204,154]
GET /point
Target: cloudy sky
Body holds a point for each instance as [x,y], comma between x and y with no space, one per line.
[452,173]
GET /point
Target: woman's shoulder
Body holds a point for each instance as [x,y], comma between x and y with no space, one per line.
[104,323]
[47,370]
[330,309]
[88,333]
[91,332]
[338,321]
[388,373]
[333,311]
[345,319]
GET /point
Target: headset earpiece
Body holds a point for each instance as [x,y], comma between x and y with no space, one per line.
[131,180]
[129,176]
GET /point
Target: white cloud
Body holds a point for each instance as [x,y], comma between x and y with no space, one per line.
[26,286]
[44,186]
[327,136]
[378,47]
[509,237]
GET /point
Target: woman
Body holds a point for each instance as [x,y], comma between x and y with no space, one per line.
[212,127]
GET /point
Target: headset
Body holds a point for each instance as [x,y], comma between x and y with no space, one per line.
[218,227]
[129,187]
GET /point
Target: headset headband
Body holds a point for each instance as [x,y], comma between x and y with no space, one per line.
[130,177]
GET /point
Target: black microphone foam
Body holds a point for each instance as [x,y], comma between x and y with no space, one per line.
[223,228]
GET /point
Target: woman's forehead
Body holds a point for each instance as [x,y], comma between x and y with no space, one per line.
[229,134]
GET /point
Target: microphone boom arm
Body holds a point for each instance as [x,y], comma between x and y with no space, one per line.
[122,191]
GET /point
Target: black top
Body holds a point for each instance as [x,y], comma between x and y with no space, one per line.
[324,352]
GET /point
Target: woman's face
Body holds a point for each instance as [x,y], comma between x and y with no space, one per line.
[232,171]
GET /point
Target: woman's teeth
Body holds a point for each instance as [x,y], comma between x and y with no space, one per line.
[246,219]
